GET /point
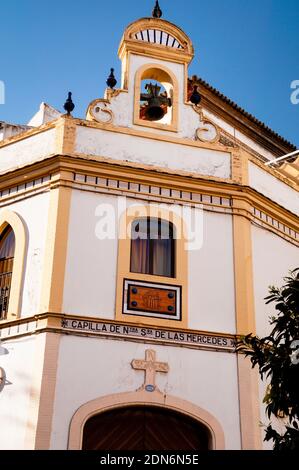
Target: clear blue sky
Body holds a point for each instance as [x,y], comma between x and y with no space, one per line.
[248,49]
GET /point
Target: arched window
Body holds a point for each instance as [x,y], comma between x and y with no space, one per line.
[152,279]
[7,252]
[153,247]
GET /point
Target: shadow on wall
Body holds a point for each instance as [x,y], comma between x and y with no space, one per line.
[3,380]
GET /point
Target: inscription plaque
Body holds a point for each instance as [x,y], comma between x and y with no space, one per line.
[152,300]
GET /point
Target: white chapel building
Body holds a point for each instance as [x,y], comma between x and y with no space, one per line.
[136,243]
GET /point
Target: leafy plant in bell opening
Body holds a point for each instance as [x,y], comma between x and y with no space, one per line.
[277,357]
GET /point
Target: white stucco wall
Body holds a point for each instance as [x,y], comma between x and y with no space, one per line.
[207,379]
[211,277]
[34,212]
[188,118]
[28,150]
[273,258]
[91,266]
[123,105]
[239,135]
[152,152]
[90,276]
[274,189]
[9,130]
[14,398]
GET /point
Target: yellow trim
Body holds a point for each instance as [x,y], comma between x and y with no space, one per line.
[240,160]
[25,135]
[277,173]
[123,270]
[129,44]
[8,217]
[103,104]
[65,135]
[163,75]
[205,120]
[243,269]
[151,135]
[146,174]
[245,321]
[291,170]
[47,392]
[56,246]
[157,399]
[28,326]
[42,393]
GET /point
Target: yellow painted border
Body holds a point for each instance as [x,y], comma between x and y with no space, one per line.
[42,393]
[8,217]
[245,322]
[109,402]
[160,71]
[130,44]
[251,154]
[56,247]
[153,176]
[51,322]
[123,270]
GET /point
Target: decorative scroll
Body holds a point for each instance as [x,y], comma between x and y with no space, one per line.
[207,131]
[99,110]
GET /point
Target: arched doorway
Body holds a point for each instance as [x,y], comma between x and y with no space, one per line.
[144,428]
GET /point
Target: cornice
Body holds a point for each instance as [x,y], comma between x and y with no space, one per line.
[31,132]
[129,44]
[242,123]
[52,322]
[70,124]
[60,165]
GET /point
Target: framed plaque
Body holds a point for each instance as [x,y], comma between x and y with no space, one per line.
[152,300]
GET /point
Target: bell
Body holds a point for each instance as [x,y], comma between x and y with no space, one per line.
[157,103]
[154,110]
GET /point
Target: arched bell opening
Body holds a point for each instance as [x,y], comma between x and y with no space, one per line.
[156,97]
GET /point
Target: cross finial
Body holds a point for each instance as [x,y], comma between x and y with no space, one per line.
[150,367]
[157,12]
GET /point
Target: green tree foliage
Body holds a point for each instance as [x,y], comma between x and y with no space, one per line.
[277,357]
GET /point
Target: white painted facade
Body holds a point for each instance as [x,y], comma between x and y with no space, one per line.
[191,377]
[46,113]
[15,408]
[9,130]
[269,250]
[274,189]
[35,217]
[88,257]
[84,367]
[176,157]
[33,149]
